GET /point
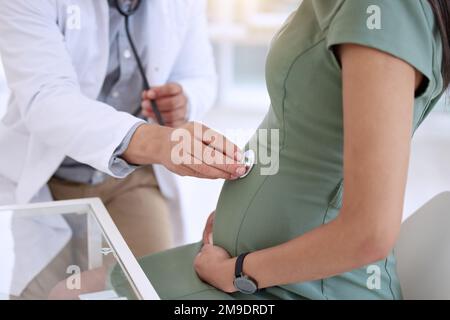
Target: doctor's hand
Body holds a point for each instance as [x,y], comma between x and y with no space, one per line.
[191,150]
[171,101]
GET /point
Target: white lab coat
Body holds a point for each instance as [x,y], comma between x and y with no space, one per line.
[55,55]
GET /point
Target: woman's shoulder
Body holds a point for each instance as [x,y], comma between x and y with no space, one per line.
[418,11]
[403,28]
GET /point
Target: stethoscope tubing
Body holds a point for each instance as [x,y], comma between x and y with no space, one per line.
[142,71]
[147,86]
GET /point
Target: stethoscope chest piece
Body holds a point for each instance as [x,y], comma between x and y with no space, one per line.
[249,161]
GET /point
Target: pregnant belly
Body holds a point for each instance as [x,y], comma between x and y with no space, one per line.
[232,208]
[263,211]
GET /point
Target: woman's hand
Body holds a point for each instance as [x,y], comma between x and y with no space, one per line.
[216,267]
[207,232]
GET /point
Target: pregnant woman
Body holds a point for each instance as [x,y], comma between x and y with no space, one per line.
[350,81]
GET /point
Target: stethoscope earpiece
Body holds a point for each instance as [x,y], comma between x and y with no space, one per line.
[249,161]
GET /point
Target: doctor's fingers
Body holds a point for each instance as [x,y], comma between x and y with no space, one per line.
[184,163]
[221,144]
[207,142]
[172,103]
[185,171]
[209,172]
[194,168]
[168,116]
[210,161]
[176,124]
[167,103]
[170,89]
[173,123]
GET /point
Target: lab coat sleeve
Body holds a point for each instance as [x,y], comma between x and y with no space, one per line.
[194,69]
[45,87]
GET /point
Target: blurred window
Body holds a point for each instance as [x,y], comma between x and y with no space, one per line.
[241,32]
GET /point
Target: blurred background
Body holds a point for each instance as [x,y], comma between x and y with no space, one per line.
[241,32]
[3,91]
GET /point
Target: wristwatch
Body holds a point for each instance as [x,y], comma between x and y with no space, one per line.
[243,283]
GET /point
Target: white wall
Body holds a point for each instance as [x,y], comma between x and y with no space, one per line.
[5,232]
[3,91]
[429,172]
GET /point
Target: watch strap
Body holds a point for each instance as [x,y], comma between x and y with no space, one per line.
[238,271]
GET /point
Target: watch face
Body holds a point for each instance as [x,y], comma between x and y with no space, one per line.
[245,285]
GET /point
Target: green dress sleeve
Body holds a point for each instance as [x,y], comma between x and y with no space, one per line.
[400,28]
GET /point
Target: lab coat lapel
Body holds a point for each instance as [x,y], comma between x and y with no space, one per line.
[102,35]
[85,27]
[157,69]
[152,30]
[99,10]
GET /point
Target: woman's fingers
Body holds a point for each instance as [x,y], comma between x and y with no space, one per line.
[207,232]
[205,236]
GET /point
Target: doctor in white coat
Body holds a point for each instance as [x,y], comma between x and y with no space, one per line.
[69,118]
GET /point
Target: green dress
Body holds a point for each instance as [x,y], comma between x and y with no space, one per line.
[305,85]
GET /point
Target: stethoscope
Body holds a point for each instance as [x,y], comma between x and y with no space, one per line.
[249,161]
[127,8]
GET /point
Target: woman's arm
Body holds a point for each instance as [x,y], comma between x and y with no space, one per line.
[378,92]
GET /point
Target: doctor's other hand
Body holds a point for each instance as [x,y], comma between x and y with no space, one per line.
[191,150]
[171,101]
[208,231]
